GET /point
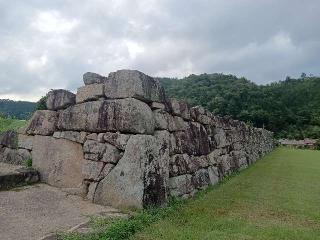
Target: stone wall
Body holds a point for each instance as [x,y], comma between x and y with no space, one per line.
[119,141]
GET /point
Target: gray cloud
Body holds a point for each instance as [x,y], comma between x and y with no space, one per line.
[50,44]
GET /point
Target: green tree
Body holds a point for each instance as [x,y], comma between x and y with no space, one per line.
[41,104]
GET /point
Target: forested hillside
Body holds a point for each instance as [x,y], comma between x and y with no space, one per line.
[16,109]
[290,108]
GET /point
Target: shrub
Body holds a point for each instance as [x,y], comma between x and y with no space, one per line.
[28,163]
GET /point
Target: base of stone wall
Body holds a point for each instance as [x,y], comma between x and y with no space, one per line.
[15,176]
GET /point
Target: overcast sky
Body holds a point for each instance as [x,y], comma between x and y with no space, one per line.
[50,44]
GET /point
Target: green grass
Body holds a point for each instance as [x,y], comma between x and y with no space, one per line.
[276,198]
[10,124]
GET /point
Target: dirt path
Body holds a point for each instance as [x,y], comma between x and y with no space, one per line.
[32,212]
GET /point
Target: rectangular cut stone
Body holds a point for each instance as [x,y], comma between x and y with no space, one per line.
[91,170]
[60,99]
[43,122]
[124,115]
[201,179]
[181,185]
[71,135]
[180,108]
[9,139]
[58,161]
[25,141]
[90,92]
[194,140]
[135,84]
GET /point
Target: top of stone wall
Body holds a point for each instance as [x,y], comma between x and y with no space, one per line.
[110,104]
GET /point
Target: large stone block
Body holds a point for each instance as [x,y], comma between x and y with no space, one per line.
[213,175]
[60,99]
[93,78]
[181,185]
[194,140]
[201,179]
[59,162]
[9,139]
[25,141]
[90,92]
[124,115]
[180,108]
[220,138]
[140,177]
[165,121]
[132,83]
[43,122]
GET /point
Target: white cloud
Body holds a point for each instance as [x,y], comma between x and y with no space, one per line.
[52,22]
[50,44]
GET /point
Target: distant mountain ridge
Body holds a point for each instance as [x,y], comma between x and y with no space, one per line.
[17,109]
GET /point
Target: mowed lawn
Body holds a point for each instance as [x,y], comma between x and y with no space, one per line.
[276,198]
[10,124]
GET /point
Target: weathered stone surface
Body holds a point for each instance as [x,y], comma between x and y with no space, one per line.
[224,164]
[25,141]
[24,154]
[58,161]
[140,177]
[157,105]
[79,137]
[213,157]
[117,139]
[14,156]
[201,115]
[124,115]
[180,108]
[91,190]
[92,136]
[201,179]
[213,175]
[178,124]
[60,99]
[101,152]
[43,122]
[111,154]
[90,92]
[16,177]
[181,164]
[181,185]
[91,146]
[93,78]
[165,121]
[161,119]
[132,83]
[92,156]
[193,141]
[91,170]
[9,139]
[239,159]
[220,137]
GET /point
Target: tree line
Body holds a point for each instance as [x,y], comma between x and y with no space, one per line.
[290,108]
